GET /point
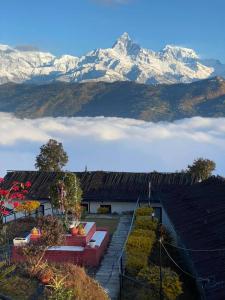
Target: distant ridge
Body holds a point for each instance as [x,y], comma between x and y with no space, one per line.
[125,61]
[125,99]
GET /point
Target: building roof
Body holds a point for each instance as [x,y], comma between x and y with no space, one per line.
[100,185]
[198,216]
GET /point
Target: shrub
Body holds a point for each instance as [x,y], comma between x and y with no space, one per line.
[143,233]
[5,270]
[103,210]
[167,238]
[77,282]
[171,284]
[135,263]
[57,290]
[146,223]
[52,234]
[144,211]
[19,227]
[140,244]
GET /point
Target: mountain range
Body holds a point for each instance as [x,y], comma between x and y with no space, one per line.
[125,61]
[126,99]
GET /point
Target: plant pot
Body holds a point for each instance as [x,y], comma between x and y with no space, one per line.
[74,231]
[92,243]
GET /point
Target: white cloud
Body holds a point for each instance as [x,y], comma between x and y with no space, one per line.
[113,143]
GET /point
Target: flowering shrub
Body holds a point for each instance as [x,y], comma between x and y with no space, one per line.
[13,199]
[27,206]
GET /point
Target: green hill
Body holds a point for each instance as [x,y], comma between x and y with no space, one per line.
[118,99]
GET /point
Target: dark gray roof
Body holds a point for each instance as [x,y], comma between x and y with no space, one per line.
[101,185]
[198,216]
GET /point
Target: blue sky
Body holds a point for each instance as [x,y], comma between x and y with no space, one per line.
[77,26]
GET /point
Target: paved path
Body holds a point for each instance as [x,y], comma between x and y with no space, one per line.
[108,273]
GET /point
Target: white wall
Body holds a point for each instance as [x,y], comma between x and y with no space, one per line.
[169,226]
[117,207]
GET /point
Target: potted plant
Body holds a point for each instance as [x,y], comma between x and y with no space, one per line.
[74,230]
[92,243]
[81,230]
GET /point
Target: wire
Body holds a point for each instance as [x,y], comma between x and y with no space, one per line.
[196,250]
[185,272]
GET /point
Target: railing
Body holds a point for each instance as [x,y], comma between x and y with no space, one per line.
[8,218]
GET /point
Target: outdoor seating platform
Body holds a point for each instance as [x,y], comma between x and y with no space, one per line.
[77,249]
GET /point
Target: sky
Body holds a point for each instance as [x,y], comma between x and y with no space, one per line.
[113,144]
[77,26]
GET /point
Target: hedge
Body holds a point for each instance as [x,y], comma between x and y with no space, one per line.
[146,223]
[135,263]
[142,232]
[139,244]
[171,284]
[144,211]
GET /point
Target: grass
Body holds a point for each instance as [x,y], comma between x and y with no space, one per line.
[19,288]
[110,223]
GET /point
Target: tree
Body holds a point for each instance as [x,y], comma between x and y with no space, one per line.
[66,194]
[13,199]
[52,157]
[201,168]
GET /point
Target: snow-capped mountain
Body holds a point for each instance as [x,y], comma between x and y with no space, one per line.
[126,60]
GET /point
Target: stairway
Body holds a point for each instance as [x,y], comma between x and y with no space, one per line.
[108,273]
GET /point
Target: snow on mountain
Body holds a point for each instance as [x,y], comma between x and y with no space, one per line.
[126,60]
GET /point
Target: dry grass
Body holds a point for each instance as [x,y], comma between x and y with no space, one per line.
[83,286]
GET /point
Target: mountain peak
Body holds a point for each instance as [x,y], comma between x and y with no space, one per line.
[179,52]
[125,45]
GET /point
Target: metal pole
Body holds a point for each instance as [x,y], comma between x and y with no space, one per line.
[160,268]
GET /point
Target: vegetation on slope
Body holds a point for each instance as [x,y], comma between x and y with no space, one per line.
[118,99]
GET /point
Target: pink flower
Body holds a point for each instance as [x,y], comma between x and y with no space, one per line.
[28,184]
[1,179]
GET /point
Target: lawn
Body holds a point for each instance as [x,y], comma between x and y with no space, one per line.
[110,221]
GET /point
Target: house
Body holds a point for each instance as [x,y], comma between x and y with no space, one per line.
[196,217]
[118,191]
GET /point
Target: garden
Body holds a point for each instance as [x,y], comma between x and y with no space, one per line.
[143,273]
[34,277]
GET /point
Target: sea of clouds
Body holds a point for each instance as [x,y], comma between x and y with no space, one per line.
[113,143]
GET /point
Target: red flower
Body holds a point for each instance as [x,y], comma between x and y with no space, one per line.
[3,192]
[16,204]
[4,212]
[1,179]
[15,188]
[28,184]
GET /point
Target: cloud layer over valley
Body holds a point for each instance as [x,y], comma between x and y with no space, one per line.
[113,143]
